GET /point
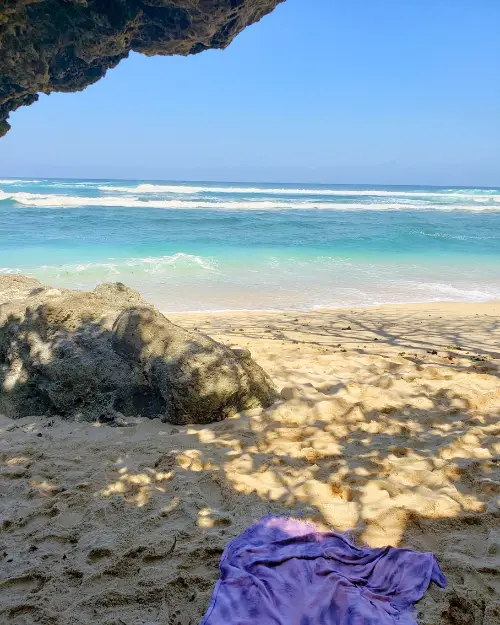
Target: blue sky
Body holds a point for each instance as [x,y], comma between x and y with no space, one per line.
[351,91]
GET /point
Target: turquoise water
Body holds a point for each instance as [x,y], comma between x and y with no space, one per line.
[216,246]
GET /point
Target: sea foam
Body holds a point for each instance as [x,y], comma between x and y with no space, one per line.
[148,264]
[476,195]
[68,201]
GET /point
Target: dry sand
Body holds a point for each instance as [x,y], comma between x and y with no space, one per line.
[385,429]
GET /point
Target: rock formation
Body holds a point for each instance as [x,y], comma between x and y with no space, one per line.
[106,354]
[56,45]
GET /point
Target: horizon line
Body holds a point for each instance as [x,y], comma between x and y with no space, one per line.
[240,182]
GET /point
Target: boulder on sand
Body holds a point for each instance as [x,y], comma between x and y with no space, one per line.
[199,380]
[105,354]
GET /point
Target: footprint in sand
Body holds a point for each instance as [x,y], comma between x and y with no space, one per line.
[96,555]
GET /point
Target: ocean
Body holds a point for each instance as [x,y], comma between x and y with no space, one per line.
[220,246]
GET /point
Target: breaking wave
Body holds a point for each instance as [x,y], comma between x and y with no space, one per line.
[12,181]
[67,201]
[476,194]
[149,264]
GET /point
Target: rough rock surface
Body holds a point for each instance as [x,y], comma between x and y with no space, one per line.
[106,354]
[56,45]
[17,287]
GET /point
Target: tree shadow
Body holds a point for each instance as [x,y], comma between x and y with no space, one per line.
[367,330]
[127,525]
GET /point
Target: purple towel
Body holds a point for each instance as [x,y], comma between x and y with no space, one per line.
[285,572]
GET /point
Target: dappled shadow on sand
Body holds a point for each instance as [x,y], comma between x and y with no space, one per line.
[419,328]
[126,525]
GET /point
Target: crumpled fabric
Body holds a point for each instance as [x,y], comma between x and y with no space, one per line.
[286,572]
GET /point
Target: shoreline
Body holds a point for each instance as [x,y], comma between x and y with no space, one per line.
[329,309]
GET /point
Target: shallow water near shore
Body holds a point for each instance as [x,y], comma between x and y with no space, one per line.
[215,246]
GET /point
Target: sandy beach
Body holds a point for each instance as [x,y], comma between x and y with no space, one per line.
[388,427]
